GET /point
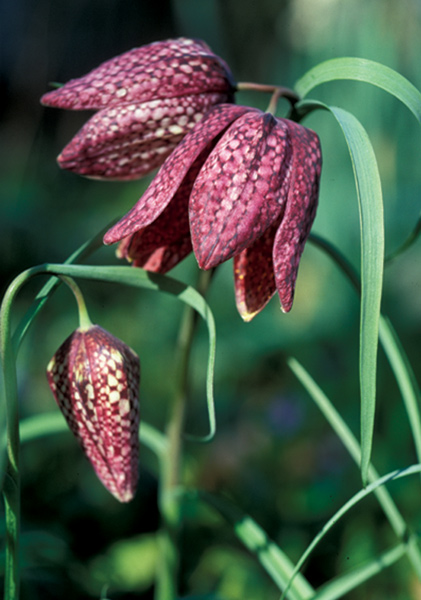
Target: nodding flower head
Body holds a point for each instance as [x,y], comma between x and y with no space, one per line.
[242,184]
[146,100]
[95,380]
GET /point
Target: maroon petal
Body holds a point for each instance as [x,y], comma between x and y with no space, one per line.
[241,189]
[165,242]
[172,173]
[253,275]
[300,210]
[95,379]
[129,140]
[159,70]
[160,260]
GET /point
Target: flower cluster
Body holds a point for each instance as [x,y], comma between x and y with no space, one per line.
[234,182]
[242,184]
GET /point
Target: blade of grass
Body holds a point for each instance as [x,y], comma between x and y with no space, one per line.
[338,587]
[350,442]
[356,498]
[272,558]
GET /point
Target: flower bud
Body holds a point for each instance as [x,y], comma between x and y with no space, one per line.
[95,380]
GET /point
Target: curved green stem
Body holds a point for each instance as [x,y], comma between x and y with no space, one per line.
[10,422]
[81,253]
[84,320]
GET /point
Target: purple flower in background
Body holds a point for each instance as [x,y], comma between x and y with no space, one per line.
[241,184]
[147,100]
[95,380]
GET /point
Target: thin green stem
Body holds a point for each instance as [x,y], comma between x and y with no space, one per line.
[10,421]
[84,320]
[80,254]
[171,465]
[273,104]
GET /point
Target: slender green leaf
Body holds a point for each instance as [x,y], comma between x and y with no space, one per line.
[370,202]
[272,558]
[338,587]
[356,498]
[349,441]
[368,71]
[372,259]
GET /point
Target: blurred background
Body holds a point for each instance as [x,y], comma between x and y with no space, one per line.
[274,455]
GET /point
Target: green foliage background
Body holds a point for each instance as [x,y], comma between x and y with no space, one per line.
[274,454]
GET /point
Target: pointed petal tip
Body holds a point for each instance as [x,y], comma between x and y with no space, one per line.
[48,98]
[111,237]
[123,229]
[61,161]
[124,495]
[247,316]
[286,299]
[56,98]
[121,485]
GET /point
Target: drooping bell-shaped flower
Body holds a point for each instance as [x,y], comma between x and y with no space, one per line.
[241,184]
[95,380]
[147,100]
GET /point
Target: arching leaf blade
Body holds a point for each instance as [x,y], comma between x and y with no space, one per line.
[370,204]
[368,71]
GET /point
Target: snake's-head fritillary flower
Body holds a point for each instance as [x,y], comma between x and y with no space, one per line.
[147,100]
[95,380]
[241,184]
